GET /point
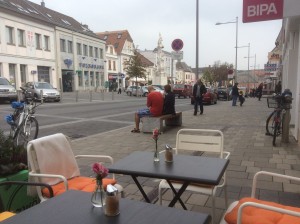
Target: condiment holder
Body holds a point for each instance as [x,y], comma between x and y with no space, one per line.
[168,153]
[112,201]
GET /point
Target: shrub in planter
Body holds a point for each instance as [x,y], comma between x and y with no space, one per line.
[13,158]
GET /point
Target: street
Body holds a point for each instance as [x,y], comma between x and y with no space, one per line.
[86,117]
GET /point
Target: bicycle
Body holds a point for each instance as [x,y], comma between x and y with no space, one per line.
[24,125]
[274,122]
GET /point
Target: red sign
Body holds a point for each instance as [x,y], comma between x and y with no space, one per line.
[177,45]
[262,10]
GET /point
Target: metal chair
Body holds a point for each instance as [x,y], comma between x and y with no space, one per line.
[51,160]
[203,140]
[251,209]
[6,213]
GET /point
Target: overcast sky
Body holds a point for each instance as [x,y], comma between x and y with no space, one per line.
[145,19]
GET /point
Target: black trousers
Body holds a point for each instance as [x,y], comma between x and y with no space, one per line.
[198,101]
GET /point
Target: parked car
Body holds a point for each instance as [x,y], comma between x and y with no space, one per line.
[183,90]
[7,91]
[49,92]
[223,94]
[159,88]
[210,97]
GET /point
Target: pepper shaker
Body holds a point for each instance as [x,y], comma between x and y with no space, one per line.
[112,201]
[168,153]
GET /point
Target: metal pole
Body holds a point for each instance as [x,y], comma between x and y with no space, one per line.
[197,38]
[248,67]
[236,50]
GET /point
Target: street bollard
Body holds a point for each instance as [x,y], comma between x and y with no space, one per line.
[112,95]
[19,95]
[102,94]
[61,96]
[287,100]
[91,95]
[76,95]
[42,96]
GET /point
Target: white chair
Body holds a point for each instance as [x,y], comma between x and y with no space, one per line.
[51,161]
[255,209]
[203,140]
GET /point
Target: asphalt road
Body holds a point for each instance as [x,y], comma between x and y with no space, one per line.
[86,115]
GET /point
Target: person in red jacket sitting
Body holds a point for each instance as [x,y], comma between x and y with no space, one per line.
[155,102]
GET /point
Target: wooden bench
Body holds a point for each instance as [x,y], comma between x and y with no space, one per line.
[150,123]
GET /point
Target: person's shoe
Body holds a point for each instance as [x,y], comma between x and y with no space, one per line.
[201,113]
[195,114]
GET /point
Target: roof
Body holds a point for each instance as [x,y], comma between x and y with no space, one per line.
[115,38]
[183,66]
[145,61]
[42,13]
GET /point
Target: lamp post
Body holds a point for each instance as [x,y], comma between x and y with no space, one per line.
[236,43]
[197,38]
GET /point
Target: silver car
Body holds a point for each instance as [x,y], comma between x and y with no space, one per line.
[36,88]
[7,91]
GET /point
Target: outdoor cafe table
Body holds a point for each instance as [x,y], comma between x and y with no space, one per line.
[75,207]
[184,168]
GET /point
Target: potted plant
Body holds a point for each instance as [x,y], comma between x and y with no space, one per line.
[13,158]
[13,167]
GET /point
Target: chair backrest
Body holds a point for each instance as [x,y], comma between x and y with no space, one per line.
[204,140]
[52,155]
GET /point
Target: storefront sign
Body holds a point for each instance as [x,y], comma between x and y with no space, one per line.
[85,65]
[270,67]
[262,10]
[273,56]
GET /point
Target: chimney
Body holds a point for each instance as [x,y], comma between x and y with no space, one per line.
[43,3]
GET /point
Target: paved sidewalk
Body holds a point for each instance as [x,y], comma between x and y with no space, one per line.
[251,151]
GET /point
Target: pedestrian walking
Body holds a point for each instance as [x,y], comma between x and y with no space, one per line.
[119,90]
[235,94]
[198,90]
[241,98]
[259,91]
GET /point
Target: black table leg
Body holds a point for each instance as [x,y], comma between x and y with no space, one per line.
[140,188]
[177,194]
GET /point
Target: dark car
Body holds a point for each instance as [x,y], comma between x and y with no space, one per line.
[223,94]
[210,97]
[183,90]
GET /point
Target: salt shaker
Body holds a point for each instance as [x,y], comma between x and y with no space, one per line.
[168,153]
[112,201]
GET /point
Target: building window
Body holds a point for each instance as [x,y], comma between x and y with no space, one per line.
[70,46]
[21,38]
[80,76]
[62,45]
[12,74]
[91,51]
[10,35]
[114,65]
[119,36]
[85,50]
[79,49]
[96,52]
[111,50]
[101,53]
[38,41]
[109,64]
[46,43]
[23,74]
[86,78]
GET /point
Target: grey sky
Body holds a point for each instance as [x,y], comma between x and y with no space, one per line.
[145,19]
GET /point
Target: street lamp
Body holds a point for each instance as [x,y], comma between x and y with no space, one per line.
[197,38]
[236,43]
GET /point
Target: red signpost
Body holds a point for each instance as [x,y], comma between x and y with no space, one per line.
[177,44]
[262,10]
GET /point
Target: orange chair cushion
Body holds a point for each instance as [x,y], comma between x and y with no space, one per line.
[254,215]
[6,215]
[87,184]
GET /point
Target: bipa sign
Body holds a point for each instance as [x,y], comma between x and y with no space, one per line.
[262,10]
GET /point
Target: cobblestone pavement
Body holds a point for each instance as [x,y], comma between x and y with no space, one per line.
[244,133]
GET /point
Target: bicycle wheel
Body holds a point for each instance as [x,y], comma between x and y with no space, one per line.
[270,124]
[27,132]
